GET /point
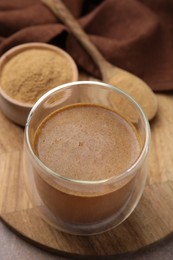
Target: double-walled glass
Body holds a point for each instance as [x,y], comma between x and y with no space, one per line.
[78,206]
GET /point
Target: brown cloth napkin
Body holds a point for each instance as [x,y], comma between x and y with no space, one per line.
[136,35]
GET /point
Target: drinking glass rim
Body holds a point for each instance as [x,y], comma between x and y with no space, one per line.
[135,165]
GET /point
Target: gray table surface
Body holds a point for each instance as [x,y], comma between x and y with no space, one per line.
[12,247]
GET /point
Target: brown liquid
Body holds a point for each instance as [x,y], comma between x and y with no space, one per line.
[85,142]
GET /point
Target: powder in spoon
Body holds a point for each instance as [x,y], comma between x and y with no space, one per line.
[31,73]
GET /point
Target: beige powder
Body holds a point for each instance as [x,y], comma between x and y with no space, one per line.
[31,73]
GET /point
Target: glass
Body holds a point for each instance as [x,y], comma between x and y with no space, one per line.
[76,206]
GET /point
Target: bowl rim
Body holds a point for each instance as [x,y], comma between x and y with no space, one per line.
[26,46]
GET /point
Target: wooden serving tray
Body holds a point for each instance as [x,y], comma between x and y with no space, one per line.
[151,221]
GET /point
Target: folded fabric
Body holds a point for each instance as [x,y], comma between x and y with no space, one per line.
[135,35]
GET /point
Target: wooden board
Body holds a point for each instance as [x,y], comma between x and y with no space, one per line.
[151,221]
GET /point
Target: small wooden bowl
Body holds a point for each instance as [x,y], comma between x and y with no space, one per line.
[15,110]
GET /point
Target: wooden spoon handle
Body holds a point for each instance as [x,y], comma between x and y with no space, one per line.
[60,10]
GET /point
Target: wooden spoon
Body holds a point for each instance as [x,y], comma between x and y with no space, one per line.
[122,79]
